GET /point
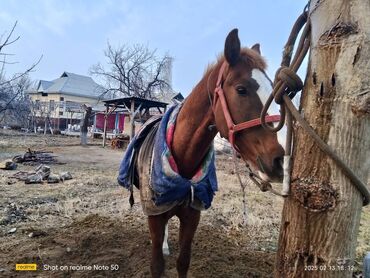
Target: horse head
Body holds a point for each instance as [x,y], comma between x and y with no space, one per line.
[241,91]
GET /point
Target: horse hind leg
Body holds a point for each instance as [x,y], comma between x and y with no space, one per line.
[165,247]
[189,219]
[157,225]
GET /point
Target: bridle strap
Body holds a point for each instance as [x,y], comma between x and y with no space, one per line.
[231,126]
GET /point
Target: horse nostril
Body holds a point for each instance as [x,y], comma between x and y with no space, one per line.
[277,163]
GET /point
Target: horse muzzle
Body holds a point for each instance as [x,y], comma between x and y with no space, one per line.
[271,170]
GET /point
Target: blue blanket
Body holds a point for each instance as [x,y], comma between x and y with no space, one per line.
[168,186]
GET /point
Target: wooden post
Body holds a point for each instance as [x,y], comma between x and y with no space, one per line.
[94,125]
[366,272]
[132,120]
[105,125]
[45,125]
[50,126]
[321,216]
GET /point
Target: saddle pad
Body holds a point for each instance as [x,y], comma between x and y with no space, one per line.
[147,195]
[127,172]
[155,169]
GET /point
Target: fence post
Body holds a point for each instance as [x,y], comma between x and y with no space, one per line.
[366,271]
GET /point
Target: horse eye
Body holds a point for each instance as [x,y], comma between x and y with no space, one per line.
[241,90]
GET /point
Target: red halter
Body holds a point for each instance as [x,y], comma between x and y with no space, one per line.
[234,128]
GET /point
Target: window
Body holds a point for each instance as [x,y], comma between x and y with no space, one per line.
[52,105]
[60,113]
[61,99]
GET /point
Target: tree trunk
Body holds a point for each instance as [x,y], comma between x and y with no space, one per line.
[321,216]
[85,125]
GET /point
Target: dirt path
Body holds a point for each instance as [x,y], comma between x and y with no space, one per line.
[86,222]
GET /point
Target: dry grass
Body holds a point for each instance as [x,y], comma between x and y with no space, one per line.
[94,191]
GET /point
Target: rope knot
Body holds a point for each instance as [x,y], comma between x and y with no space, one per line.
[291,80]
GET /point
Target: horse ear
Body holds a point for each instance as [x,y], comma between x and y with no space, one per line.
[257,48]
[232,47]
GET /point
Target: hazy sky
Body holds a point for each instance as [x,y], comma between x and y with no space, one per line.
[72,35]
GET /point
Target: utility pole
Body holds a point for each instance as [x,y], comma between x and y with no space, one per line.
[321,216]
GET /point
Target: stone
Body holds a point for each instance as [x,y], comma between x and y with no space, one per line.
[65,176]
[12,230]
[43,170]
[35,178]
[8,165]
[53,178]
[36,234]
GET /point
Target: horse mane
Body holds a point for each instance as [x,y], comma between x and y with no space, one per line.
[253,58]
[249,56]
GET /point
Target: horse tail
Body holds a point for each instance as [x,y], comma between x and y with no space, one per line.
[132,200]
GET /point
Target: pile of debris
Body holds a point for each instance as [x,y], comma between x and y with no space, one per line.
[121,141]
[13,213]
[34,158]
[42,173]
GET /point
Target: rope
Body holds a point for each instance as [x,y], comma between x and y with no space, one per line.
[263,185]
[242,185]
[286,84]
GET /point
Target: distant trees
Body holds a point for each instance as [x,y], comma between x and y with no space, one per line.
[14,104]
[134,71]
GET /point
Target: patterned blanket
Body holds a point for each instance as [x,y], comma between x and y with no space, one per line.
[167,185]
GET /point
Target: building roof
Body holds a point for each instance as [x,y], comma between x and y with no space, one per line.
[71,84]
[125,102]
[44,85]
[178,97]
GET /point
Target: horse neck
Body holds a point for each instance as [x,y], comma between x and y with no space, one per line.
[192,136]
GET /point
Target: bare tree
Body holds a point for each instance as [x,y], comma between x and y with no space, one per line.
[14,103]
[134,71]
[12,89]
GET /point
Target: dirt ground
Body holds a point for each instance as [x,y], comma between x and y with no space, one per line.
[87,222]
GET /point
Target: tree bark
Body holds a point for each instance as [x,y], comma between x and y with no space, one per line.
[321,216]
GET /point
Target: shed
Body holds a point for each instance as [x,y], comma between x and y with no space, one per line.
[138,108]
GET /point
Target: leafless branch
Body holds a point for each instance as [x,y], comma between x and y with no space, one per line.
[14,103]
[134,71]
[20,75]
[7,40]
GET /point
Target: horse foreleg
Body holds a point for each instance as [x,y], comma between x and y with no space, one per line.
[156,227]
[165,247]
[189,219]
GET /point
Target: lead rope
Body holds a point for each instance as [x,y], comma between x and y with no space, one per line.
[242,185]
[262,185]
[286,84]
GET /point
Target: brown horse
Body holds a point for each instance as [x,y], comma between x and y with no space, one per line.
[233,90]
